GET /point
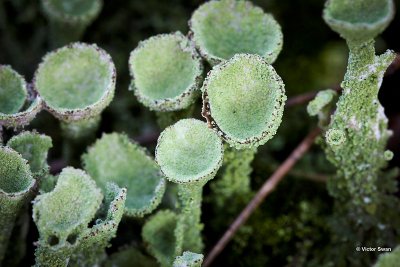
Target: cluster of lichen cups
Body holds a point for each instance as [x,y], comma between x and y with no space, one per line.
[243,99]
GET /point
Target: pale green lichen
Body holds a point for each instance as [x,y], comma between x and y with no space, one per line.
[16,185]
[358,20]
[76,82]
[322,106]
[188,259]
[224,28]
[234,176]
[243,100]
[166,72]
[358,132]
[114,158]
[389,259]
[69,18]
[63,216]
[17,105]
[189,154]
[34,148]
[162,237]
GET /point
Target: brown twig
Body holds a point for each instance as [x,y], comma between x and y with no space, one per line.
[264,191]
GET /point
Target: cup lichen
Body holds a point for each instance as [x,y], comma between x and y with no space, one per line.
[114,158]
[189,154]
[166,72]
[16,186]
[221,29]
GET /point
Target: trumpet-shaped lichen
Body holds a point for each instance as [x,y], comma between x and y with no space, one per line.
[243,100]
[69,18]
[189,154]
[76,83]
[166,72]
[224,28]
[63,215]
[188,259]
[114,158]
[18,105]
[16,185]
[34,148]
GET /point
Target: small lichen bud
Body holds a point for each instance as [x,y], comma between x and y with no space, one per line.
[166,72]
[76,81]
[243,100]
[321,100]
[335,137]
[388,155]
[222,29]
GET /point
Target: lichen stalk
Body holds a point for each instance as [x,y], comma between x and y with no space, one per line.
[234,177]
[190,196]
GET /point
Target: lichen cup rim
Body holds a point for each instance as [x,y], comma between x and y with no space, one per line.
[358,31]
[199,177]
[186,97]
[56,15]
[95,108]
[213,59]
[158,190]
[25,166]
[22,118]
[270,128]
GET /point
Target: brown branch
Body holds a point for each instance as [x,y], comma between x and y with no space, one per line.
[264,191]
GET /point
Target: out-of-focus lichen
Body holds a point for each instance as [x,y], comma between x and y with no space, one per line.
[63,215]
[189,154]
[16,185]
[188,259]
[34,148]
[234,176]
[221,29]
[162,237]
[114,158]
[69,18]
[389,259]
[128,257]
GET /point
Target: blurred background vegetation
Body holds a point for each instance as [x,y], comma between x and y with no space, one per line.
[291,226]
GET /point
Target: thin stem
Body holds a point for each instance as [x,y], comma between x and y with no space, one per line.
[264,191]
[190,197]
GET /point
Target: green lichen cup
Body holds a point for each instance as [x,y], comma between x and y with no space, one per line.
[243,100]
[358,20]
[16,186]
[69,18]
[189,152]
[166,72]
[114,158]
[76,82]
[14,96]
[221,29]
